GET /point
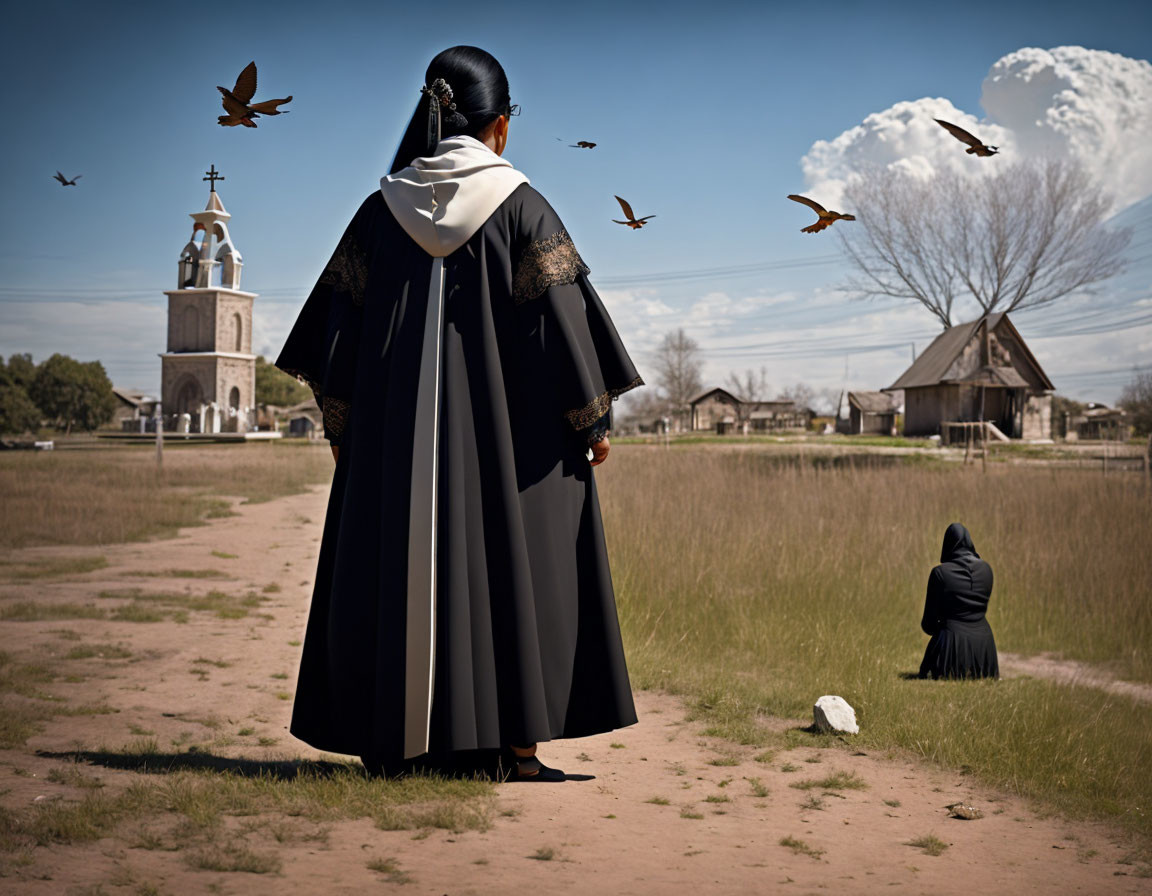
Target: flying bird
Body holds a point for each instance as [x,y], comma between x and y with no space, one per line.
[582,144]
[64,182]
[633,222]
[236,101]
[827,218]
[975,147]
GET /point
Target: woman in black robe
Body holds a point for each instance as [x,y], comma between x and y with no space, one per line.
[465,368]
[959,588]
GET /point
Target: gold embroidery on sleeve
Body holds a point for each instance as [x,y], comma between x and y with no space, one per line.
[598,406]
[348,270]
[335,411]
[553,261]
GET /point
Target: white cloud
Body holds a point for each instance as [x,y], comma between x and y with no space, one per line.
[1089,105]
[1069,102]
[903,136]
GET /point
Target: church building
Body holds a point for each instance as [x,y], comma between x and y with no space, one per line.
[208,373]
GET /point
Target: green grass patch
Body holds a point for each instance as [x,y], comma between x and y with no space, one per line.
[929,844]
[51,567]
[153,606]
[135,612]
[800,847]
[179,574]
[659,801]
[391,870]
[193,796]
[36,611]
[98,651]
[544,854]
[834,781]
[224,555]
[228,855]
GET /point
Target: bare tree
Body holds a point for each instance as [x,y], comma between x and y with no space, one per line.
[1136,400]
[639,408]
[678,370]
[803,395]
[1023,237]
[749,387]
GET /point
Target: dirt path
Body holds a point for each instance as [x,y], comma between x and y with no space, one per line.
[655,815]
[1045,665]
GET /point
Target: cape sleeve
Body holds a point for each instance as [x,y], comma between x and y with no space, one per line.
[930,622]
[322,347]
[582,352]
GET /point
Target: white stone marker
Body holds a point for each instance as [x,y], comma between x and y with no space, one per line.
[834,714]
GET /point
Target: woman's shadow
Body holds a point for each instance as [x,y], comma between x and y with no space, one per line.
[479,764]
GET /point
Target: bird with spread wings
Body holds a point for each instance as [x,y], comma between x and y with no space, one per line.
[633,222]
[64,182]
[826,218]
[975,146]
[238,101]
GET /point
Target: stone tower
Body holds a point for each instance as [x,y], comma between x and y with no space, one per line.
[208,373]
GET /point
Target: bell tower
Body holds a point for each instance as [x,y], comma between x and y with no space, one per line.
[208,373]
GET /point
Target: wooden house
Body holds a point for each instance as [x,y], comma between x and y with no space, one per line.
[1096,422]
[872,412]
[713,409]
[720,411]
[134,410]
[977,371]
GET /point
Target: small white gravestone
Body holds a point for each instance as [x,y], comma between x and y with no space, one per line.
[834,714]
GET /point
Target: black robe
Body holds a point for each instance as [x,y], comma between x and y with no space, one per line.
[959,588]
[527,643]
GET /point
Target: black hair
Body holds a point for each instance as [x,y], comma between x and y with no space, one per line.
[479,90]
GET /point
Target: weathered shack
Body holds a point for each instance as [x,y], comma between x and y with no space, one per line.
[134,410]
[712,407]
[1098,421]
[304,420]
[719,410]
[977,371]
[872,412]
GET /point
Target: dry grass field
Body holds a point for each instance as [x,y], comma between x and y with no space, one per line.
[749,581]
[104,496]
[754,583]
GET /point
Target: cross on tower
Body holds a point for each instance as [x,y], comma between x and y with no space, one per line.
[213,175]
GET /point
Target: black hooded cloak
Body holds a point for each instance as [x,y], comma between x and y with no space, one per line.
[526,643]
[959,588]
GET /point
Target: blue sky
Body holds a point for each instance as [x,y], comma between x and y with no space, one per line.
[703,113]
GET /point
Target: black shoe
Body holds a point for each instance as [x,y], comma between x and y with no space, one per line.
[532,769]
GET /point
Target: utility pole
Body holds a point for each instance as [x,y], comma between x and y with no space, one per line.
[159,437]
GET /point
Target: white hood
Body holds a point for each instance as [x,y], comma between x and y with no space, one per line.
[443,199]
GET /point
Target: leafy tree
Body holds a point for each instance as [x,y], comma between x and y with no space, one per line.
[1063,407]
[19,372]
[71,393]
[274,386]
[17,412]
[1136,400]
